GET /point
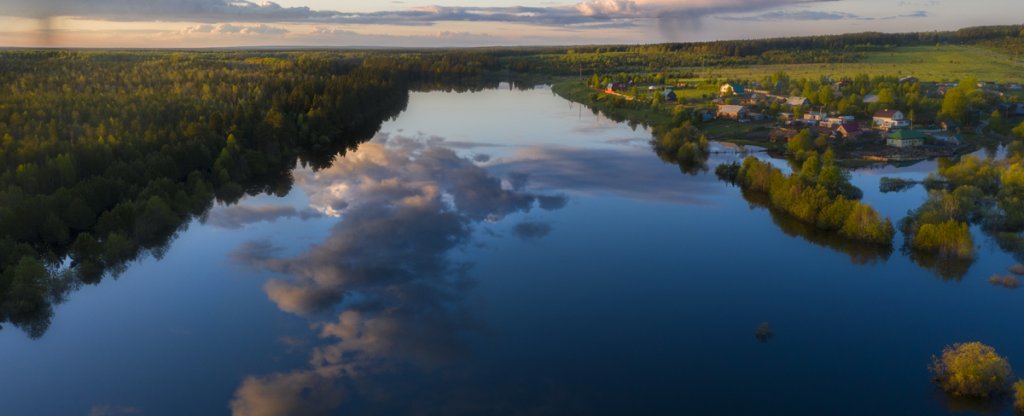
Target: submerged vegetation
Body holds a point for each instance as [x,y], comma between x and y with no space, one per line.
[987,192]
[684,145]
[972,370]
[764,332]
[819,194]
[1018,392]
[887,184]
[1009,282]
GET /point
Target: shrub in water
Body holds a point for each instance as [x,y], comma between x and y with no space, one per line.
[1018,390]
[971,369]
[1009,282]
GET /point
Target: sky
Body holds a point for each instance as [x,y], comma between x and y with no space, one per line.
[464,23]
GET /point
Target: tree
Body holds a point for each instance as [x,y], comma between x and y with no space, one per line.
[886,97]
[972,370]
[826,95]
[801,142]
[865,224]
[996,123]
[1019,130]
[956,104]
[1018,387]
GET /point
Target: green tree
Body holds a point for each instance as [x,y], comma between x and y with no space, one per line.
[1018,387]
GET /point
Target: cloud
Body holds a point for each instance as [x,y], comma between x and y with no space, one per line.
[297,393]
[585,171]
[224,28]
[797,15]
[531,230]
[405,205]
[816,15]
[110,410]
[238,216]
[588,12]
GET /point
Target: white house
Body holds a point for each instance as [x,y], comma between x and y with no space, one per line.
[888,120]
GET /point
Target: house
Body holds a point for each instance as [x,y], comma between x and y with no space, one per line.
[905,138]
[815,116]
[908,80]
[733,112]
[832,122]
[669,95]
[871,99]
[732,89]
[616,87]
[850,130]
[888,120]
[796,101]
[755,98]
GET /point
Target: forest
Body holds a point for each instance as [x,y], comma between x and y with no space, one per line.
[106,156]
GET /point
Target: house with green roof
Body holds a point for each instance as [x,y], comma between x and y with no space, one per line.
[905,138]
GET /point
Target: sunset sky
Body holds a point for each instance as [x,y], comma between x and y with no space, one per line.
[414,23]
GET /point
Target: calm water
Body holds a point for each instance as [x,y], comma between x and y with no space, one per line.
[504,252]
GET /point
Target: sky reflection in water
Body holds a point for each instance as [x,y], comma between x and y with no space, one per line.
[504,252]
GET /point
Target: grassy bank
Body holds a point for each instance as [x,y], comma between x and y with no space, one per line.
[614,107]
[928,63]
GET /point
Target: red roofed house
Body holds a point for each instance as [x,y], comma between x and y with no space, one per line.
[850,130]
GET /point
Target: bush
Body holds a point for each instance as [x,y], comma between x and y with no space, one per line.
[1009,282]
[1017,269]
[1018,390]
[764,332]
[950,239]
[972,370]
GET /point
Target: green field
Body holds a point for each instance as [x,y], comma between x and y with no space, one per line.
[928,63]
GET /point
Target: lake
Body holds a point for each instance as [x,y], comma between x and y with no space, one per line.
[508,252]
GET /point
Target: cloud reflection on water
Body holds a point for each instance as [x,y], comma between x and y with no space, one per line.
[405,205]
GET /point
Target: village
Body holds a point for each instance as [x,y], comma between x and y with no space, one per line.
[872,121]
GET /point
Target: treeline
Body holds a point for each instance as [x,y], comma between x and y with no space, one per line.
[813,195]
[843,48]
[104,156]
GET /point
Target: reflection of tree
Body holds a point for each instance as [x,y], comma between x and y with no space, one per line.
[948,268]
[859,253]
[387,262]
